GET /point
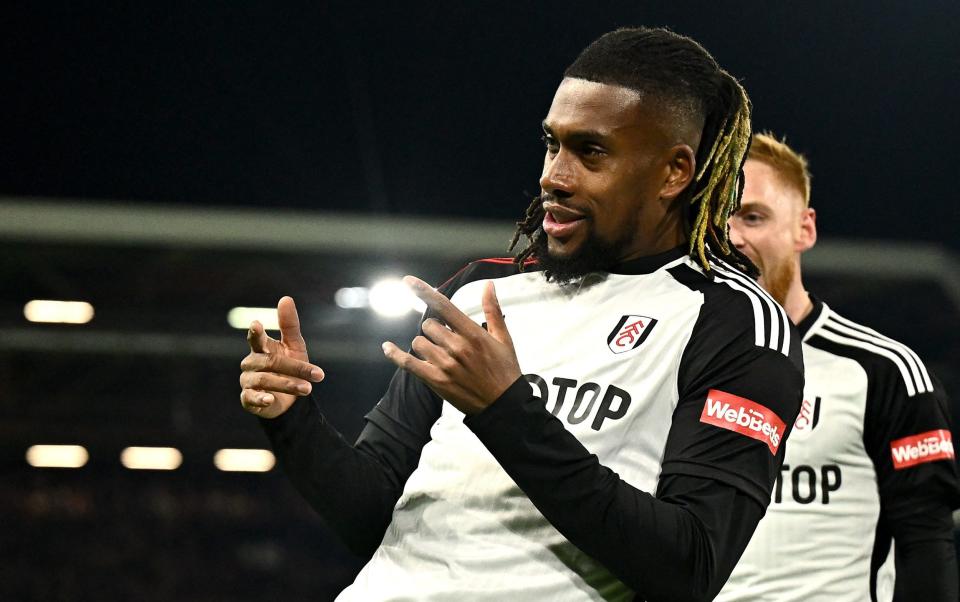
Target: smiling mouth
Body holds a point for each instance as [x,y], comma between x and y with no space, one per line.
[560,222]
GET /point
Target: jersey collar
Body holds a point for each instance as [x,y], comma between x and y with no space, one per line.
[650,263]
[810,323]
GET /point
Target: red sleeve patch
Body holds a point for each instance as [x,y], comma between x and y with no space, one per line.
[925,447]
[743,416]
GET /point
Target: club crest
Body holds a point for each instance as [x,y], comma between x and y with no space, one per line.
[809,415]
[629,332]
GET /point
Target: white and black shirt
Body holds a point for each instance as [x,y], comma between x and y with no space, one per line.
[633,459]
[870,459]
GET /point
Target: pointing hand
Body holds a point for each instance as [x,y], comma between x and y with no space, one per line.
[275,372]
[468,366]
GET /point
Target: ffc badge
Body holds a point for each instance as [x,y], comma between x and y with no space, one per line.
[809,415]
[629,332]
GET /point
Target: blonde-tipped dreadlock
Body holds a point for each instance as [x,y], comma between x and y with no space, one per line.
[719,194]
[680,74]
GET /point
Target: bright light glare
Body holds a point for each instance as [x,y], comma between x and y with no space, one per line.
[151,458]
[392,298]
[352,297]
[57,456]
[59,312]
[240,317]
[244,460]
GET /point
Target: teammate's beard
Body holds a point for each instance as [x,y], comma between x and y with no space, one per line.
[777,279]
[594,255]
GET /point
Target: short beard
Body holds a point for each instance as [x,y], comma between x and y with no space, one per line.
[777,281]
[594,256]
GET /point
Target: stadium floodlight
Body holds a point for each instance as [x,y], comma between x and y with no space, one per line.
[353,297]
[58,312]
[57,456]
[391,298]
[240,317]
[244,460]
[151,458]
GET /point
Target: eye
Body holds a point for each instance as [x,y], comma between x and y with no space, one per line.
[591,150]
[751,218]
[550,143]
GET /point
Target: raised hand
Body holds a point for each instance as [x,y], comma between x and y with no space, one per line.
[468,366]
[275,373]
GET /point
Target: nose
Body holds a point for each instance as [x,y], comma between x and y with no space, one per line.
[558,177]
[735,236]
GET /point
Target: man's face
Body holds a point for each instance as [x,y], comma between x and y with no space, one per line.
[772,227]
[608,175]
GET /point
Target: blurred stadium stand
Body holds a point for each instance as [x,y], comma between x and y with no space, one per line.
[158,366]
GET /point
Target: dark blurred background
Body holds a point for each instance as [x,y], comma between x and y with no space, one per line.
[166,162]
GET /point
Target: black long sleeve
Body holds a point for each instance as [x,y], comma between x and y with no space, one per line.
[680,545]
[926,559]
[354,487]
[917,499]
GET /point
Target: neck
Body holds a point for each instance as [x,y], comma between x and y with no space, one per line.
[665,235]
[797,304]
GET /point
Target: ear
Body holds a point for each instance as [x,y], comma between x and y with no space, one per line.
[681,168]
[808,230]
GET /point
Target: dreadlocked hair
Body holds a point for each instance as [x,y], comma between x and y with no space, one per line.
[680,75]
[529,227]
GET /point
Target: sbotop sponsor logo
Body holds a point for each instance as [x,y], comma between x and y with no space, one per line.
[925,447]
[743,416]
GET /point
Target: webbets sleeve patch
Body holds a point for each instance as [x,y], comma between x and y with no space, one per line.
[743,416]
[924,447]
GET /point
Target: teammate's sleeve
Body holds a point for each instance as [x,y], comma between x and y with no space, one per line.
[908,436]
[926,561]
[682,543]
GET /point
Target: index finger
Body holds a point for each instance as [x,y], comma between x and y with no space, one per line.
[279,364]
[458,321]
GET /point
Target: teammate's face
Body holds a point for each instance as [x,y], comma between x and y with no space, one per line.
[611,168]
[772,227]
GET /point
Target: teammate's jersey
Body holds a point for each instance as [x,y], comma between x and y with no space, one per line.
[873,431]
[665,371]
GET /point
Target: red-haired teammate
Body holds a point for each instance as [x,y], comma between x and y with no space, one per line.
[869,472]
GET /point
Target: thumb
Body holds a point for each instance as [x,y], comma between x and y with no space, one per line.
[289,322]
[496,325]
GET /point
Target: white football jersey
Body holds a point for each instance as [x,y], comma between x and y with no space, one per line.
[611,359]
[873,425]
